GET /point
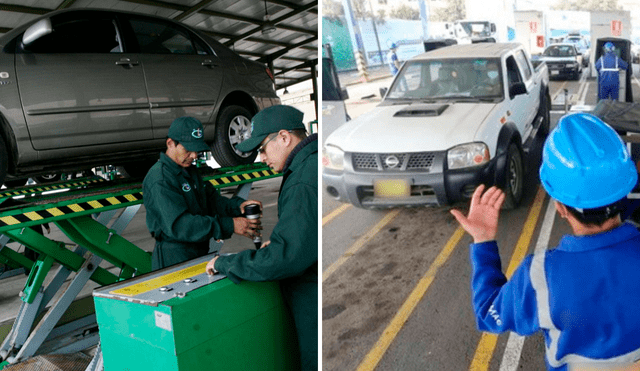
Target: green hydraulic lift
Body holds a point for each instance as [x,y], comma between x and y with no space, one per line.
[82,212]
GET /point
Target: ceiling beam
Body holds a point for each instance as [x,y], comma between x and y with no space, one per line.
[194,9]
[65,4]
[24,9]
[284,51]
[275,22]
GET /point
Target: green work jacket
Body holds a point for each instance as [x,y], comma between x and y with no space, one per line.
[292,256]
[183,214]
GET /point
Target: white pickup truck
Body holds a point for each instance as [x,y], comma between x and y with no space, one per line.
[452,119]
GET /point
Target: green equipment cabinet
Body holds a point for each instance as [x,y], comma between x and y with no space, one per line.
[180,318]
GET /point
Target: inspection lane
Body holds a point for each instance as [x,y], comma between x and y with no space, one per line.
[360,300]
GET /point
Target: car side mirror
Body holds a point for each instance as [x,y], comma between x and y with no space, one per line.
[37,30]
[383,92]
[344,94]
[517,88]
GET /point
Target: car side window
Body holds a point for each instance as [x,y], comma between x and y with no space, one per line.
[163,38]
[513,74]
[79,36]
[522,61]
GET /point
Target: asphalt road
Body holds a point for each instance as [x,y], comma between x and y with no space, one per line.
[396,292]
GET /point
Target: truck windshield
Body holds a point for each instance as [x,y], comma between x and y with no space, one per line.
[448,78]
[476,29]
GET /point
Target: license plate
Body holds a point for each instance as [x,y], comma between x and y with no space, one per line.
[391,188]
[555,72]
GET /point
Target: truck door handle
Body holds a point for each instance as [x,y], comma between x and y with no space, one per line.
[127,62]
[209,63]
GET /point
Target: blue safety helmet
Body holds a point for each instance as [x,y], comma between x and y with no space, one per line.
[393,46]
[609,47]
[585,164]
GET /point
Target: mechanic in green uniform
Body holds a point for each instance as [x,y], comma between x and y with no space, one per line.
[291,255]
[182,213]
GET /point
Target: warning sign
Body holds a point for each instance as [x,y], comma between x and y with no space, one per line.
[540,41]
[616,28]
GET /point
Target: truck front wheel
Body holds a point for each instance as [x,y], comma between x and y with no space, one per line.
[515,178]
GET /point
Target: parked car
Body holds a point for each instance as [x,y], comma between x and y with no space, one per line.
[453,118]
[563,60]
[81,88]
[583,47]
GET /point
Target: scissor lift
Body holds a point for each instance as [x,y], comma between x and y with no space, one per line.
[82,213]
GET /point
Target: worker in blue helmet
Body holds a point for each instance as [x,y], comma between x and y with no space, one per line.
[584,294]
[608,67]
[392,59]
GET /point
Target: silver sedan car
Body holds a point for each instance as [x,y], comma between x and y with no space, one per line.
[81,88]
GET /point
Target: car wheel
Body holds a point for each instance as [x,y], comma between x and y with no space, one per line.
[233,126]
[545,112]
[515,178]
[49,178]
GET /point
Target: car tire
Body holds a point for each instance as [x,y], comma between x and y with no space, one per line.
[49,178]
[514,184]
[545,112]
[232,127]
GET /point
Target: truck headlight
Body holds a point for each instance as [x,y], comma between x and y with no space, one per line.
[333,158]
[467,155]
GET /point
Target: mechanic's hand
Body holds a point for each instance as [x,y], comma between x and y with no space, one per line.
[482,221]
[265,244]
[210,266]
[249,228]
[249,202]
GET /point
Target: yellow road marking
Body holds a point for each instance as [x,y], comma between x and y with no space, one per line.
[361,241]
[334,213]
[379,349]
[487,344]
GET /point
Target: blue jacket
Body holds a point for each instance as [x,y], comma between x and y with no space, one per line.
[608,67]
[584,295]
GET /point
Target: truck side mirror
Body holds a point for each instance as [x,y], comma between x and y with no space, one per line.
[37,30]
[344,94]
[493,27]
[383,92]
[517,88]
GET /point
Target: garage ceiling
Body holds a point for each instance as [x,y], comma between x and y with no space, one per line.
[291,49]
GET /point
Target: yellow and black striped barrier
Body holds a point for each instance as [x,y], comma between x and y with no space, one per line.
[40,188]
[86,203]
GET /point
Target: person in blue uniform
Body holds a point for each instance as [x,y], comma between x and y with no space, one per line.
[608,67]
[392,59]
[291,255]
[584,295]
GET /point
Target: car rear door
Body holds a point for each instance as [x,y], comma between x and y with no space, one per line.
[183,74]
[78,88]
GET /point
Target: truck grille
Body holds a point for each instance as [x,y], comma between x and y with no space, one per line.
[420,161]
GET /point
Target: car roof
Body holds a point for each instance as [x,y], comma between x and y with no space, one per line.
[479,50]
